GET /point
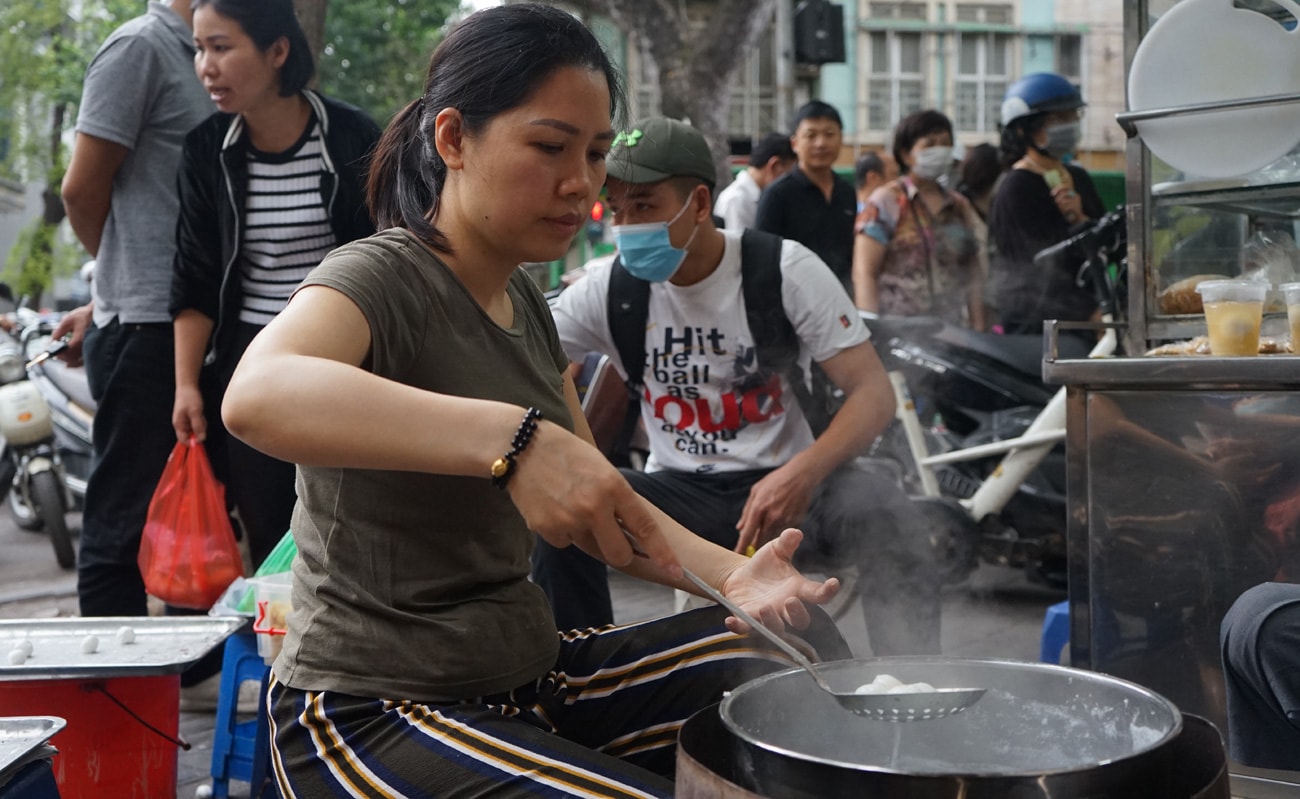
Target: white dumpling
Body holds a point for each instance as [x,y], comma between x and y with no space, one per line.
[89,644]
[24,646]
[912,688]
[17,657]
[126,635]
[880,685]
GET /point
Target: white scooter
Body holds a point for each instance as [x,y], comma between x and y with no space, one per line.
[971,506]
[31,471]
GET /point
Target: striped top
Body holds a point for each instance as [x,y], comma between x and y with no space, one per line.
[286,225]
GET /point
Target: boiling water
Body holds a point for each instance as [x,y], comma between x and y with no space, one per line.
[1001,734]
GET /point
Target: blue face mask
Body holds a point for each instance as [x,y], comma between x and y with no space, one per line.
[646,251]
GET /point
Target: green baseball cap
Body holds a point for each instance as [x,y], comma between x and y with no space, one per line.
[659,148]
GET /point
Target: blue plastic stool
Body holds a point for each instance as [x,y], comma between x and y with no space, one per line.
[241,750]
[1056,633]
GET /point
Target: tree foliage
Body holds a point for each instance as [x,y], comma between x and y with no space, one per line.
[44,50]
[698,47]
[375,54]
[45,46]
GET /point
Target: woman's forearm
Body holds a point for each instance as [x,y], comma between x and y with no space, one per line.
[868,256]
[319,412]
[192,329]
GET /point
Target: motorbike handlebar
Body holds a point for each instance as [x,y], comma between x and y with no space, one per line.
[1093,249]
[1107,235]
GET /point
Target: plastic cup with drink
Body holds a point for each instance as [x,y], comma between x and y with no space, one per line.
[1233,312]
[1291,293]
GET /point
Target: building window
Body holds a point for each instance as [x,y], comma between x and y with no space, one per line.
[985,14]
[981,80]
[753,95]
[909,11]
[895,84]
[1069,57]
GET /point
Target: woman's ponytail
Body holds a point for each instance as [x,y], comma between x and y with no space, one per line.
[405,178]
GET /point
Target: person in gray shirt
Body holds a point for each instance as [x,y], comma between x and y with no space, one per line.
[140,98]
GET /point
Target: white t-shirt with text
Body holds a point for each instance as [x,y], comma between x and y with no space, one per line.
[706,406]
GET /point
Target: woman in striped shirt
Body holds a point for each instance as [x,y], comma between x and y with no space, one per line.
[268,185]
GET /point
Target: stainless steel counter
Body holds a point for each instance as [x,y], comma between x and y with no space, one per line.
[1184,490]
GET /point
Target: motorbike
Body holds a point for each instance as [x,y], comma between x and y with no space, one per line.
[977,439]
[45,419]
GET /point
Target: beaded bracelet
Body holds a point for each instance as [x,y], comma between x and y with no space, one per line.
[504,466]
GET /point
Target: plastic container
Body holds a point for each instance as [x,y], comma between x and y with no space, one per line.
[1234,310]
[1291,294]
[24,415]
[273,598]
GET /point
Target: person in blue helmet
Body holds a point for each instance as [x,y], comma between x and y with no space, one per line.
[1039,202]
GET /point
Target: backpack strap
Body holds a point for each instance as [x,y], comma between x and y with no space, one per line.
[760,282]
[627,305]
[775,339]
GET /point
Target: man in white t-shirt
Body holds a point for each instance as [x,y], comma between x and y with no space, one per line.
[732,456]
[737,205]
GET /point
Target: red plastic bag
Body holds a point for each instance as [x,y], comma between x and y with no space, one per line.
[188,554]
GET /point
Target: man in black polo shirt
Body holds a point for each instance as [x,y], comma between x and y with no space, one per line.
[810,204]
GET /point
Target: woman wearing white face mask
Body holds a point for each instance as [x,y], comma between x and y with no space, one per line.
[920,250]
[1038,202]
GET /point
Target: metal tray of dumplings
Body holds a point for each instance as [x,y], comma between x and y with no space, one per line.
[161,645]
[20,735]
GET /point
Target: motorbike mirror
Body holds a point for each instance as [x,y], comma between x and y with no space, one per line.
[6,293]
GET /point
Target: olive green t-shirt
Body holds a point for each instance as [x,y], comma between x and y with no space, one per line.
[410,585]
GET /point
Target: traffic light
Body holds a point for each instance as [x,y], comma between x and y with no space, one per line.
[818,32]
[596,224]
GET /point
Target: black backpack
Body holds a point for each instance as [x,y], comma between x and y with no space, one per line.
[775,340]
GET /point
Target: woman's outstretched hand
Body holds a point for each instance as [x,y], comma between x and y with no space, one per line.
[772,590]
[569,494]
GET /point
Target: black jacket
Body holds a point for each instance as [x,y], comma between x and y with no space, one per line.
[213,184]
[1023,220]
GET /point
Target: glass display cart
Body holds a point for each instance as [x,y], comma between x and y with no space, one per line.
[1184,470]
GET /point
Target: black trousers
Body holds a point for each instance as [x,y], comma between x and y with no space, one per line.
[130,370]
[856,518]
[260,487]
[1261,669]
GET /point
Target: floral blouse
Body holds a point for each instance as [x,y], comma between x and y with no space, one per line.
[931,258]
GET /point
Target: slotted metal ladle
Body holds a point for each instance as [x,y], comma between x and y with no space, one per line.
[915,706]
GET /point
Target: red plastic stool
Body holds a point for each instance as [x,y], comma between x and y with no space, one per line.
[241,749]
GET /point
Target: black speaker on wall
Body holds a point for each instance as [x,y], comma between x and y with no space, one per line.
[818,32]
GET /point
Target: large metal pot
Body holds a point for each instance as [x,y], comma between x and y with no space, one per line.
[706,767]
[1039,731]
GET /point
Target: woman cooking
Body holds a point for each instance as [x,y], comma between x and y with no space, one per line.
[417,380]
